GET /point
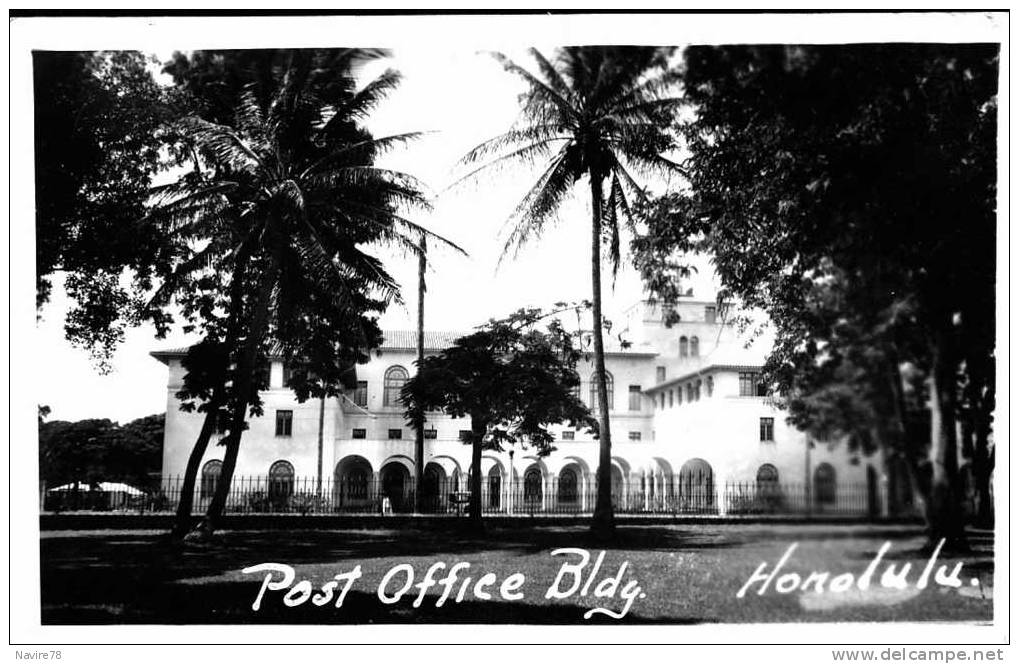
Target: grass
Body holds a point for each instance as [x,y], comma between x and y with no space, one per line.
[686,574]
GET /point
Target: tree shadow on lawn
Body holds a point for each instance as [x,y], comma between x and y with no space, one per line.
[155,557]
[981,548]
[135,578]
[225,602]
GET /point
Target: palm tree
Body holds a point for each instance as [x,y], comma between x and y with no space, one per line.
[281,207]
[601,113]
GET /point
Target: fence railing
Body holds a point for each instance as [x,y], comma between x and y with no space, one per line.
[664,495]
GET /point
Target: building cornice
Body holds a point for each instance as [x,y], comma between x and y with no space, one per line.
[711,368]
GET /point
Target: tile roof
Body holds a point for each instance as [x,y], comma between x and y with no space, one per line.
[392,340]
[434,340]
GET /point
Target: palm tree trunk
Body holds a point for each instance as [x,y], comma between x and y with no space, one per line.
[603,525]
[419,425]
[182,524]
[182,521]
[243,385]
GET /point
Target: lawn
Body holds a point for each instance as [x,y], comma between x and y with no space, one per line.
[672,574]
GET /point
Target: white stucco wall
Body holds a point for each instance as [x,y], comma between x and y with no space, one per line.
[722,429]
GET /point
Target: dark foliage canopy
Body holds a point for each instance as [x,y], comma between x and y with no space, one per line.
[848,191]
[98,119]
[512,379]
[101,451]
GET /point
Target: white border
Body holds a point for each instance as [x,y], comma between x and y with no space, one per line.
[487,32]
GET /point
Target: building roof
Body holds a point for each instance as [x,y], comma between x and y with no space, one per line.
[392,340]
[408,339]
[711,368]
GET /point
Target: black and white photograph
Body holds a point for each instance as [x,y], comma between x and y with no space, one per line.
[563,323]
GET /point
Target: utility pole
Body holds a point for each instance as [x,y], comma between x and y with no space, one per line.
[419,429]
[321,425]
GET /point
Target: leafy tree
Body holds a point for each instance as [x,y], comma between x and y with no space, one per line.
[511,379]
[99,450]
[600,113]
[849,192]
[272,223]
[98,119]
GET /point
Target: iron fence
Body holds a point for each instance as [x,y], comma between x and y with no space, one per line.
[663,495]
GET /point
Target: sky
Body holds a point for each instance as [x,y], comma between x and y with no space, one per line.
[460,97]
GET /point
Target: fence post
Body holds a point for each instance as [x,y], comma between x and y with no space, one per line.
[720,490]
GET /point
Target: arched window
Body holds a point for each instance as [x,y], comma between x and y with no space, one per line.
[532,486]
[824,483]
[710,385]
[684,347]
[679,395]
[695,347]
[567,486]
[392,384]
[357,483]
[210,477]
[281,481]
[609,395]
[697,486]
[689,391]
[767,477]
[697,390]
[494,486]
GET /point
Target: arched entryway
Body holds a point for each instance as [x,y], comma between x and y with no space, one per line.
[352,484]
[618,487]
[768,496]
[281,485]
[824,486]
[433,488]
[210,478]
[568,488]
[696,488]
[533,488]
[493,500]
[396,486]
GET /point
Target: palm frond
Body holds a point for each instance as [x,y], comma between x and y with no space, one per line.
[371,148]
[399,188]
[366,99]
[540,203]
[539,90]
[223,144]
[552,75]
[395,228]
[512,139]
[523,154]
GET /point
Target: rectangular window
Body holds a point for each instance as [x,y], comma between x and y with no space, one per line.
[431,434]
[395,434]
[359,434]
[634,435]
[768,429]
[659,375]
[465,435]
[361,394]
[284,422]
[709,314]
[287,374]
[635,397]
[750,384]
[568,435]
